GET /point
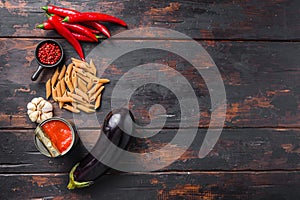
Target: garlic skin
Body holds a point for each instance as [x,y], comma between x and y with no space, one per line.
[39,110]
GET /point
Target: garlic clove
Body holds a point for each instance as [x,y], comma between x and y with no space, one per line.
[30,111]
[37,100]
[39,118]
[41,104]
[31,106]
[33,116]
[45,116]
[47,107]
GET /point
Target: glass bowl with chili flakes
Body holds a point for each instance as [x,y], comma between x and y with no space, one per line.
[49,52]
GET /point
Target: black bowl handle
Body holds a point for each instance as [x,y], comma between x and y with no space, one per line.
[37,73]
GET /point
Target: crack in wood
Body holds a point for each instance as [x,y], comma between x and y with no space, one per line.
[14,165]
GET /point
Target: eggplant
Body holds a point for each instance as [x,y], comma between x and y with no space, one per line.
[118,126]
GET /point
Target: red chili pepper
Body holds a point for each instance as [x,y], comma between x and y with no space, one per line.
[84,38]
[48,26]
[45,25]
[81,30]
[63,12]
[72,27]
[100,27]
[55,21]
[92,16]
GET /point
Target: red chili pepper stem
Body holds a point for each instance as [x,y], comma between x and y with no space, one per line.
[41,26]
[45,8]
[100,37]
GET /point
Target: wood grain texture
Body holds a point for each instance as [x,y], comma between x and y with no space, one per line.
[255,45]
[258,20]
[236,150]
[164,186]
[261,82]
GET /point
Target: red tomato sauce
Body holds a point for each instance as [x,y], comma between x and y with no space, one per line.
[59,133]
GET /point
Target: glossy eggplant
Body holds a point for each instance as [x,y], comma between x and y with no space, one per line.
[118,126]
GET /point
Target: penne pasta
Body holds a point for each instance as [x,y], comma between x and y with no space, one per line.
[104,80]
[88,68]
[80,65]
[94,88]
[76,60]
[69,84]
[77,101]
[85,109]
[80,71]
[91,76]
[65,99]
[98,101]
[89,71]
[63,86]
[54,93]
[62,72]
[74,79]
[98,92]
[76,97]
[48,88]
[71,108]
[93,67]
[60,103]
[58,90]
[82,85]
[54,77]
[89,85]
[84,103]
[69,70]
[84,78]
[82,94]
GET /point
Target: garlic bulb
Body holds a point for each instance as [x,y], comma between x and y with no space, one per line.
[39,110]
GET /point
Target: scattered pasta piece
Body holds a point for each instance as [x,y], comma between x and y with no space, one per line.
[48,89]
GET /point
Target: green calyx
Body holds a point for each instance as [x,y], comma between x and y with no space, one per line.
[100,37]
[49,15]
[41,26]
[75,184]
[45,8]
[66,19]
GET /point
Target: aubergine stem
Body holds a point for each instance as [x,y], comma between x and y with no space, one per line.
[75,184]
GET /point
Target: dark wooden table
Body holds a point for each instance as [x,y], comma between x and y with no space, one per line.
[255,45]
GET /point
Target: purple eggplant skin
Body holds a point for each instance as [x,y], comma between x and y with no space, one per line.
[118,126]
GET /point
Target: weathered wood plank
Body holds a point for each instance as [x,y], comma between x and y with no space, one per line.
[261,82]
[186,185]
[269,19]
[236,149]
